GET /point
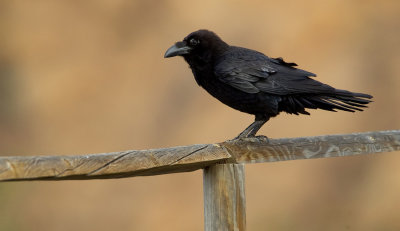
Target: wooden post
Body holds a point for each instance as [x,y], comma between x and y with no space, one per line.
[224,198]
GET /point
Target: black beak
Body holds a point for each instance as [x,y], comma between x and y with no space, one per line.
[180,48]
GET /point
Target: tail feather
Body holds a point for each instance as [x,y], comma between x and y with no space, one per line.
[342,104]
[354,99]
[343,100]
[329,105]
[339,100]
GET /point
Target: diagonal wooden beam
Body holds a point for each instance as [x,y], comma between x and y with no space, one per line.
[189,158]
[111,165]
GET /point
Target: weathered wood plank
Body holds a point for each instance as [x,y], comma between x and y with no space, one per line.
[190,158]
[245,151]
[224,197]
[111,165]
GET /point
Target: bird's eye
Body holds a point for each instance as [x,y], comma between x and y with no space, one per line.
[194,42]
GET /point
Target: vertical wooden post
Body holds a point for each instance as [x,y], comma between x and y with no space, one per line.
[224,198]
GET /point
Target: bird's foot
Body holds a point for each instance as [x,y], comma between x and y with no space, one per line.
[251,131]
[245,135]
[241,136]
[262,138]
[251,138]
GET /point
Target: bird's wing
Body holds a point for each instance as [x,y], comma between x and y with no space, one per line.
[253,72]
[243,75]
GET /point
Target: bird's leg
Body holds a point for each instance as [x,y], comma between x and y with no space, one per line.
[251,130]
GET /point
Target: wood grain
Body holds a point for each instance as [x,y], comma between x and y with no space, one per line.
[224,197]
[111,165]
[261,150]
[189,158]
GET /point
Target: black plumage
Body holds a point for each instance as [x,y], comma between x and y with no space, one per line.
[252,82]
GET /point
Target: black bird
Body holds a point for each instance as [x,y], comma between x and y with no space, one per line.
[252,82]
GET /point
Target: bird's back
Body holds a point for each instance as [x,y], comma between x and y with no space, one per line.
[251,82]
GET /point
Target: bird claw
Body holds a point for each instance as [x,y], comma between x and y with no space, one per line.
[262,138]
[253,138]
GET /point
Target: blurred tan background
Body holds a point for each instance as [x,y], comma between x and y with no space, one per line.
[82,77]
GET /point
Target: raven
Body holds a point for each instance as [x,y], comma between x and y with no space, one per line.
[252,82]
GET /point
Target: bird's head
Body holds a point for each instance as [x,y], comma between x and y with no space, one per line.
[199,44]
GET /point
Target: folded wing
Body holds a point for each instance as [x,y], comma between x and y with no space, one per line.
[254,73]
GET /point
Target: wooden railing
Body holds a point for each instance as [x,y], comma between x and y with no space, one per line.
[223,164]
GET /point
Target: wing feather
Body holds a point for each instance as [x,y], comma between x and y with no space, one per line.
[253,72]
